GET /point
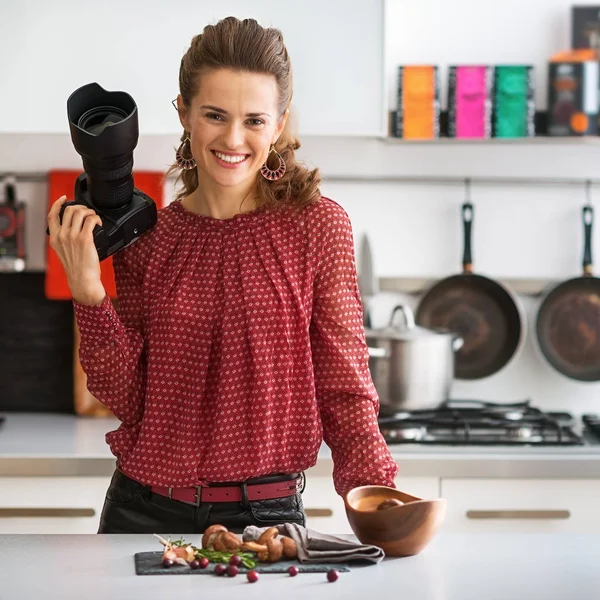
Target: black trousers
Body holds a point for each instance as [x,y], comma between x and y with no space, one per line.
[130,507]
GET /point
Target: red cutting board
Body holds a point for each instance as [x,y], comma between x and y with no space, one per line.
[62,183]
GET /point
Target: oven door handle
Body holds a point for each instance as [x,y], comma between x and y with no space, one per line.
[519,514]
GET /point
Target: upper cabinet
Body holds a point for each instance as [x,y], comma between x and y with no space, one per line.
[49,49]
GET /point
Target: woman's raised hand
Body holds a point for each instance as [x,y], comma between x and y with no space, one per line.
[73,241]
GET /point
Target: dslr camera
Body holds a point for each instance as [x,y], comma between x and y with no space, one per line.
[104,131]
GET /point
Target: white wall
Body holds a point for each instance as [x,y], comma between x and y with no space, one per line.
[519,231]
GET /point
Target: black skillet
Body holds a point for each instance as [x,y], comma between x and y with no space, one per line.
[482,311]
[568,320]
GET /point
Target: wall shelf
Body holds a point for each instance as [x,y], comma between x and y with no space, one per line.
[539,139]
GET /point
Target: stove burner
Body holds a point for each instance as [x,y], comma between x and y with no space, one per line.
[519,431]
[478,422]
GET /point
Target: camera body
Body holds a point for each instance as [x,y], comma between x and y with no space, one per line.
[104,132]
[12,232]
[121,225]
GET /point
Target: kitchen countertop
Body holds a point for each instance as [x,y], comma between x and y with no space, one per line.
[453,567]
[55,444]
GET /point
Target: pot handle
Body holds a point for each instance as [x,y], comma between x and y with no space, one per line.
[378,353]
[409,318]
[457,343]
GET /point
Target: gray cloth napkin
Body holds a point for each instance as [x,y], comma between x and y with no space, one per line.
[315,547]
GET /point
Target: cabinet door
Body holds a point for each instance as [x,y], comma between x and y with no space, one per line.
[51,504]
[427,488]
[324,508]
[522,505]
[336,52]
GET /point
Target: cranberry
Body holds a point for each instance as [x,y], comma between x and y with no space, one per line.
[235,560]
[332,575]
[220,569]
[195,564]
[293,571]
[252,576]
[232,570]
[167,562]
[204,562]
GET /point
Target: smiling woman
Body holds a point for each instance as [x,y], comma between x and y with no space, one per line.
[234,106]
[238,344]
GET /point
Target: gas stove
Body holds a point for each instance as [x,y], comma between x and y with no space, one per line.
[474,422]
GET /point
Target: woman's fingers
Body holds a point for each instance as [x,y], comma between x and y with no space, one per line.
[88,226]
[79,216]
[67,219]
[53,221]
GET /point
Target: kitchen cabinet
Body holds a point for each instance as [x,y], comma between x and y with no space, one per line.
[521,505]
[51,504]
[336,52]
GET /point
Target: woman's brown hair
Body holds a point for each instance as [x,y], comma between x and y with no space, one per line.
[244,45]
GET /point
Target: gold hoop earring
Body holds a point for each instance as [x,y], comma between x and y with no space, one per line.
[185,163]
[273,174]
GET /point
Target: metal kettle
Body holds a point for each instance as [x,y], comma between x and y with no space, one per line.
[412,367]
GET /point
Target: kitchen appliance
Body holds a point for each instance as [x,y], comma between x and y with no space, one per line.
[36,347]
[412,367]
[368,284]
[12,230]
[568,320]
[475,422]
[483,312]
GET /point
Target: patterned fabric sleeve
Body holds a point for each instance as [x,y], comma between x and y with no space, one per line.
[345,392]
[112,344]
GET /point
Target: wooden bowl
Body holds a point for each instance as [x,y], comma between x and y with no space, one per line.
[402,530]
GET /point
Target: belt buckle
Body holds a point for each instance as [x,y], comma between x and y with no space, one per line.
[170,493]
[198,495]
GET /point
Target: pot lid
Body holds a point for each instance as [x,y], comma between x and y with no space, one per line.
[402,327]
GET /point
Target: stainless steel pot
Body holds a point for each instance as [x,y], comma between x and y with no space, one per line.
[412,367]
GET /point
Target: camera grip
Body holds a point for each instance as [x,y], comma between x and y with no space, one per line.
[62,212]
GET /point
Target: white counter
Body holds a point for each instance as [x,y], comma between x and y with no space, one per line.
[53,444]
[453,567]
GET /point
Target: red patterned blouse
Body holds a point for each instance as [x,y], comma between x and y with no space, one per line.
[236,348]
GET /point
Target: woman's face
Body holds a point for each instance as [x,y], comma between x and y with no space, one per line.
[232,122]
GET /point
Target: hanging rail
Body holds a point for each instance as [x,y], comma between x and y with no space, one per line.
[40,177]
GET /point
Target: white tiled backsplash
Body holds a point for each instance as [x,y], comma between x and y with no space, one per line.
[415,230]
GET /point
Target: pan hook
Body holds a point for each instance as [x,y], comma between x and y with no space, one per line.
[467,190]
[588,192]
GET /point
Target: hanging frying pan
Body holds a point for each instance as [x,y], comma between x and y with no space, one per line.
[568,320]
[484,313]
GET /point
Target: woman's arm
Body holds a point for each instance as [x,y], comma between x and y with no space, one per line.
[347,398]
[111,351]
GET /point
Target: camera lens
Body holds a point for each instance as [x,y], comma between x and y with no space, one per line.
[104,131]
[96,120]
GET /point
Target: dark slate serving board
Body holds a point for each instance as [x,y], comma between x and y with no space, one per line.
[150,563]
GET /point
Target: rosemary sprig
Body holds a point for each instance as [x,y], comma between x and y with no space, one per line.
[214,556]
[223,557]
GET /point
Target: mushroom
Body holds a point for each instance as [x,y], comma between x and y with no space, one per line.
[290,550]
[254,547]
[208,539]
[274,551]
[227,541]
[389,503]
[272,532]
